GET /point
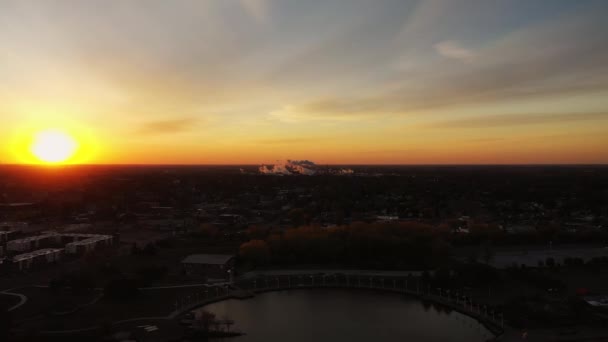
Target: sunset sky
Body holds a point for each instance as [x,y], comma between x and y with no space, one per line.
[336,82]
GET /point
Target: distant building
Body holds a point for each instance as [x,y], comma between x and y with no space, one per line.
[40,257]
[17,227]
[6,235]
[387,218]
[88,244]
[210,266]
[32,243]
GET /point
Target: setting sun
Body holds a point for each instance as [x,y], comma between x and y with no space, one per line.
[53,146]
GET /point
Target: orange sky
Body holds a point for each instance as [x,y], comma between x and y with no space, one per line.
[336,82]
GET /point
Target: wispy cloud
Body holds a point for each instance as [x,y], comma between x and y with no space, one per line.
[454,50]
[257,9]
[170,126]
[519,119]
[327,111]
[286,141]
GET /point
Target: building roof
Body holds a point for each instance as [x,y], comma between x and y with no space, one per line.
[33,254]
[208,259]
[90,240]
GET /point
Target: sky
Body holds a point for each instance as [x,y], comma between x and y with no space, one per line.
[333,81]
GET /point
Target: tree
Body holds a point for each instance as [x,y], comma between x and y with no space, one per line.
[121,289]
[150,250]
[255,251]
[150,274]
[488,252]
[81,281]
[208,230]
[298,217]
[207,319]
[5,325]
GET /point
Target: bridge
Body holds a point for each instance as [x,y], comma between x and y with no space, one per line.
[412,285]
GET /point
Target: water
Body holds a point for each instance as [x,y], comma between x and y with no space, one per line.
[326,315]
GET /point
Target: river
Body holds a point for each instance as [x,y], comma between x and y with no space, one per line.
[326,315]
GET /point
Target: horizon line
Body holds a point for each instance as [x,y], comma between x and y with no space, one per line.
[324,164]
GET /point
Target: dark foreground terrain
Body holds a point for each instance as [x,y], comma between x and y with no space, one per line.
[525,242]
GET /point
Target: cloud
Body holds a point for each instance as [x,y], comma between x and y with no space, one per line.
[286,141]
[519,119]
[454,50]
[483,140]
[257,9]
[554,58]
[171,126]
[331,110]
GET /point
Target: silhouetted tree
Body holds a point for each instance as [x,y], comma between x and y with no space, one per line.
[5,325]
[255,251]
[121,289]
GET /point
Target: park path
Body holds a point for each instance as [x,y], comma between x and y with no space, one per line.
[22,298]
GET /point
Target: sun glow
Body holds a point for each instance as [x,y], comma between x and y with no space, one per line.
[53,146]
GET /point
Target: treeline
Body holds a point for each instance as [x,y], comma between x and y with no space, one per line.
[408,245]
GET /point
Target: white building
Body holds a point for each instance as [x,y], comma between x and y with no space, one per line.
[88,244]
[6,235]
[14,226]
[42,256]
[32,242]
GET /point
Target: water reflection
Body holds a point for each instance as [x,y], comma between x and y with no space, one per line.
[345,315]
